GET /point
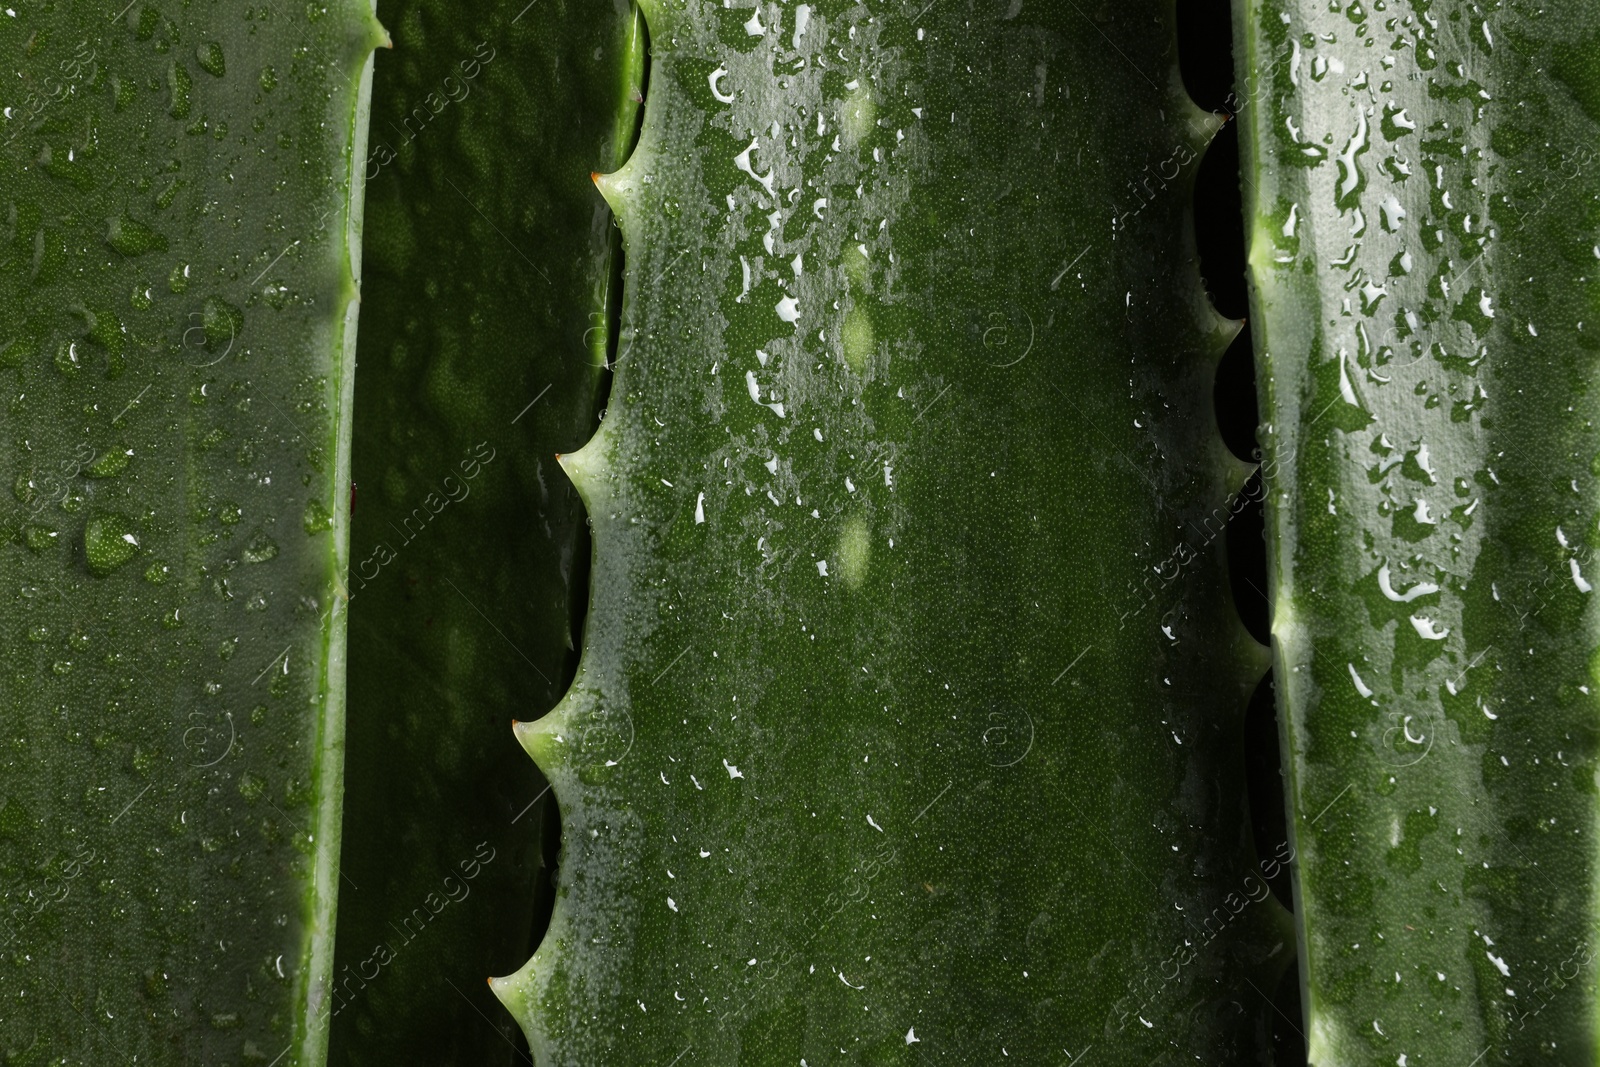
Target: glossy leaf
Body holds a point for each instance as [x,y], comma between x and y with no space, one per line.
[907,721]
[483,345]
[1424,210]
[177,277]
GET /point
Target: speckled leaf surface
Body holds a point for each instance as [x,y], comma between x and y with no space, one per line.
[906,724]
[1424,211]
[178,235]
[487,266]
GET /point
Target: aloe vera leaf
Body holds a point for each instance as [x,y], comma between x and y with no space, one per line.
[907,717]
[181,224]
[483,347]
[1424,210]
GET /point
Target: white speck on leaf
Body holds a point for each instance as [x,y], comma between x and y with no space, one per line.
[1388,589]
[1361,687]
[742,161]
[1427,630]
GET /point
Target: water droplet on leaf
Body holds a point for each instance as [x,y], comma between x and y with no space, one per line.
[260,549]
[317,518]
[131,237]
[209,56]
[109,541]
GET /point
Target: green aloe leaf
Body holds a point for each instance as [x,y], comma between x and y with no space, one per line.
[179,249]
[483,348]
[1424,214]
[907,718]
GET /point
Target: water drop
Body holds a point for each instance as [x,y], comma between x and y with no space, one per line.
[69,360]
[221,321]
[260,549]
[109,464]
[209,56]
[38,538]
[179,81]
[109,541]
[317,518]
[149,19]
[133,238]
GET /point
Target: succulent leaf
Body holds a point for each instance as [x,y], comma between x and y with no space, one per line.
[1423,211]
[484,343]
[907,716]
[181,224]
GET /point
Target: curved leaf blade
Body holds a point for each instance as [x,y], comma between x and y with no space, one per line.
[179,266]
[894,730]
[1423,252]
